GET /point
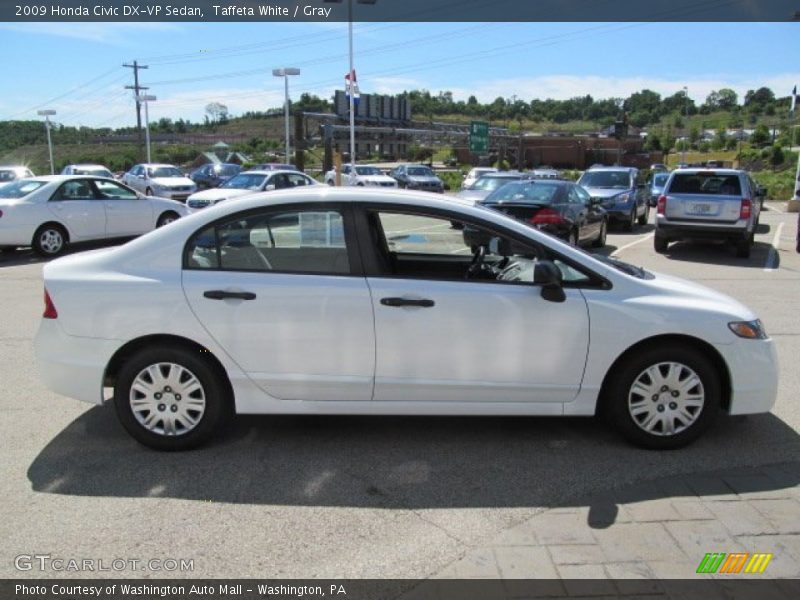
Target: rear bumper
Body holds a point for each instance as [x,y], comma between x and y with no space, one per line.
[72,366]
[753,368]
[704,230]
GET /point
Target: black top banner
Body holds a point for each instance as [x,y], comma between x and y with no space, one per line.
[401,10]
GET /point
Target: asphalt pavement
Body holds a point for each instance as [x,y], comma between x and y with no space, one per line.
[394,497]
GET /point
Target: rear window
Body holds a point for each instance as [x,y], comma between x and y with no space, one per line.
[528,192]
[705,183]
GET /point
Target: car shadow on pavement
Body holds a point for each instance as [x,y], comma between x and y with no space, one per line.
[617,229]
[722,254]
[401,462]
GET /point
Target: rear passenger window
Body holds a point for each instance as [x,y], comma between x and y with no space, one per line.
[306,241]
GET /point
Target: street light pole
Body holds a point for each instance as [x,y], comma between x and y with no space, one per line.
[285,72]
[46,114]
[146,99]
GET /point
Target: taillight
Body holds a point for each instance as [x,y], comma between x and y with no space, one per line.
[746,210]
[661,205]
[50,311]
[547,216]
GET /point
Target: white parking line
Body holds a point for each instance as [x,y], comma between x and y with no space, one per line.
[772,256]
[639,241]
[771,208]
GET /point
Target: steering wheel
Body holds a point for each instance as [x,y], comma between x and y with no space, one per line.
[476,265]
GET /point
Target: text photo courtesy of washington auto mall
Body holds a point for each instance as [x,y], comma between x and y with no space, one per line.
[368,299]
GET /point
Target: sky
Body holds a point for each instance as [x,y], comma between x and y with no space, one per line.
[76,68]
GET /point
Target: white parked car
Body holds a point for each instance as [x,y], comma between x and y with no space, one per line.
[362,175]
[50,212]
[249,182]
[13,172]
[341,301]
[164,181]
[474,175]
[96,170]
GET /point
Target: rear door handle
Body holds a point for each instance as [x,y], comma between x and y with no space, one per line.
[422,302]
[222,295]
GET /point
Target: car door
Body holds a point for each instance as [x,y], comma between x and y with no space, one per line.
[442,337]
[76,205]
[126,213]
[280,289]
[135,178]
[591,214]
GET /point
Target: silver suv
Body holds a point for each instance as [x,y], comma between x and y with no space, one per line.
[722,204]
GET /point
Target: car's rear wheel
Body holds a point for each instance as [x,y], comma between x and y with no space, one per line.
[148,191]
[49,240]
[169,398]
[601,239]
[660,244]
[167,218]
[664,397]
[743,247]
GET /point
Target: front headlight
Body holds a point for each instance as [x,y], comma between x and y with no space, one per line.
[623,198]
[751,330]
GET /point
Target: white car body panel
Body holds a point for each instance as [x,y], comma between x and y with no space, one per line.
[320,341]
[354,179]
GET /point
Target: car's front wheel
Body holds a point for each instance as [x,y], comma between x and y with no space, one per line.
[601,238]
[169,398]
[663,397]
[167,218]
[645,216]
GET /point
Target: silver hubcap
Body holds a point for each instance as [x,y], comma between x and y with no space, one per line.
[167,399]
[51,240]
[666,398]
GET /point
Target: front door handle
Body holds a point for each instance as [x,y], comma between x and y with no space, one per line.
[422,302]
[222,295]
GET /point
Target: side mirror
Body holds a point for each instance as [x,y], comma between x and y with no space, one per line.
[269,187]
[548,275]
[761,192]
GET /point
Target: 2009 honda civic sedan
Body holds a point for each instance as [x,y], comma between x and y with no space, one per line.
[371,302]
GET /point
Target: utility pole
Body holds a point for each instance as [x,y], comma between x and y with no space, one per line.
[137,91]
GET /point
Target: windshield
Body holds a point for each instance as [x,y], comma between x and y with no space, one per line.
[531,192]
[245,181]
[227,170]
[489,183]
[19,189]
[8,174]
[420,171]
[164,172]
[97,171]
[606,179]
[475,173]
[368,171]
[659,179]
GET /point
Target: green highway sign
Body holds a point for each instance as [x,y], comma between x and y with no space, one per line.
[479,137]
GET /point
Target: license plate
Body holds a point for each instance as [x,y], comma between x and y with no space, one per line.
[701,208]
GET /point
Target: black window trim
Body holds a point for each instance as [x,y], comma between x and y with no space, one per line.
[371,264]
[344,208]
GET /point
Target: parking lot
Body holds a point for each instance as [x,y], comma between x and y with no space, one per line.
[402,497]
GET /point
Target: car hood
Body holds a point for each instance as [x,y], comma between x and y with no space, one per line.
[674,291]
[605,192]
[217,194]
[172,181]
[474,195]
[423,179]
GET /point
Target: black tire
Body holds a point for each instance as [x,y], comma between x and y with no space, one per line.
[331,182]
[619,393]
[213,389]
[166,218]
[743,247]
[148,191]
[660,244]
[630,223]
[643,219]
[7,249]
[50,240]
[600,242]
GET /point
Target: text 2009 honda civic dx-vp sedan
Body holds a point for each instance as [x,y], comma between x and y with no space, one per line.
[347,301]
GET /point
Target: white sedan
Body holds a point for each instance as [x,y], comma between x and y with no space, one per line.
[50,212]
[361,175]
[164,181]
[244,184]
[341,301]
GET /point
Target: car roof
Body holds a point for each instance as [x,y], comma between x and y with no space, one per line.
[157,165]
[89,166]
[273,172]
[56,178]
[715,170]
[506,174]
[611,168]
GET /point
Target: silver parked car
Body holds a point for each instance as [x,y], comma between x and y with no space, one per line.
[722,204]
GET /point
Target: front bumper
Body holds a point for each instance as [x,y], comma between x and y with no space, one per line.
[72,366]
[753,369]
[619,212]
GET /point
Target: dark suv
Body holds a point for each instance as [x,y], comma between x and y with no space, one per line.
[622,191]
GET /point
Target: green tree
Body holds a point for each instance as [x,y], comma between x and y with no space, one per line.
[760,136]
